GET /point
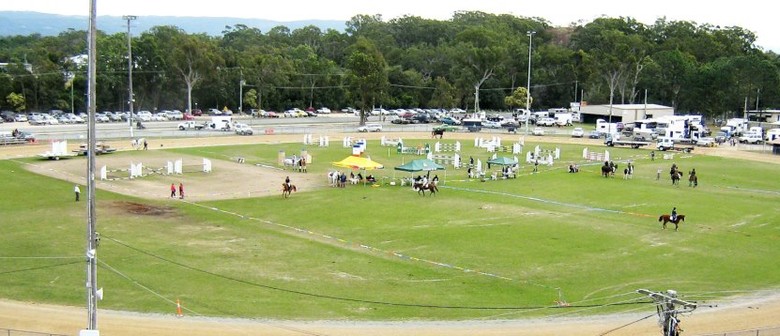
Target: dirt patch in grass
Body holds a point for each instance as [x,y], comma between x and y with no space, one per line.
[143,209]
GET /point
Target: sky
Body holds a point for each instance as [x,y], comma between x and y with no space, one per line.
[753,15]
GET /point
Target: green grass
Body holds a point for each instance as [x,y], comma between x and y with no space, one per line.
[479,249]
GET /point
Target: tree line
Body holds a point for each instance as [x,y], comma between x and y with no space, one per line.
[474,60]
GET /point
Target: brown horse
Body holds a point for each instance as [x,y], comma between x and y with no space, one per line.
[439,132]
[286,191]
[668,219]
[421,188]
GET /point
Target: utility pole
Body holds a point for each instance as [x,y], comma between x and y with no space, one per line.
[666,305]
[91,254]
[131,98]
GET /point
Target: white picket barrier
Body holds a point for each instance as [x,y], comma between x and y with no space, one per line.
[595,156]
[206,165]
[136,170]
[446,160]
[440,147]
[347,142]
[384,141]
[307,139]
[324,141]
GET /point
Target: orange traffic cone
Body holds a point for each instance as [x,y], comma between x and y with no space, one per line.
[178,308]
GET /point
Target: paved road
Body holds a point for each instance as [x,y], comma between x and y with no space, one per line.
[159,129]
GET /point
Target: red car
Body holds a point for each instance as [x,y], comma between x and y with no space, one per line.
[188,116]
[197,112]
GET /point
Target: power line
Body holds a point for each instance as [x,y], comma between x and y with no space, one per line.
[348,299]
[40,267]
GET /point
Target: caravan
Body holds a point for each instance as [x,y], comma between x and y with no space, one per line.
[223,123]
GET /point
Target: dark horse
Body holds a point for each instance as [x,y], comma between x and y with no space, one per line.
[676,176]
[668,219]
[421,188]
[286,191]
[439,132]
[608,169]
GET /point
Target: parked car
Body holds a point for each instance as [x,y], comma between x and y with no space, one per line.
[323,110]
[577,132]
[705,142]
[8,116]
[450,121]
[370,128]
[546,122]
[594,135]
[243,129]
[174,115]
[20,118]
[446,128]
[491,124]
[101,118]
[751,138]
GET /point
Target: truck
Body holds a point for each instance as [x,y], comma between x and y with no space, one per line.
[615,140]
[665,144]
[191,125]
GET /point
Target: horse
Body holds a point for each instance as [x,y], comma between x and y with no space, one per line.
[286,191]
[608,169]
[292,162]
[676,176]
[439,132]
[693,180]
[668,219]
[421,188]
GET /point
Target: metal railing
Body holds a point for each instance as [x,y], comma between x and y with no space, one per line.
[14,332]
[772,331]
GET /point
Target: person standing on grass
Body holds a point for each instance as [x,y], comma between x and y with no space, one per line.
[78,192]
[181,190]
[173,190]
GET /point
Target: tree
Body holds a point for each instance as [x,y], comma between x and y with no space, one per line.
[17,101]
[481,53]
[367,74]
[519,97]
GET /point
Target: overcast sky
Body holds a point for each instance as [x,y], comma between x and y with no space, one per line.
[752,15]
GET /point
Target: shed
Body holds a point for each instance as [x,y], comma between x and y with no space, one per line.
[625,113]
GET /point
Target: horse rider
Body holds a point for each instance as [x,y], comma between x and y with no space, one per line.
[435,179]
[287,182]
[674,214]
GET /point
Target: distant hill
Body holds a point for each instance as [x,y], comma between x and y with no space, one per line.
[27,23]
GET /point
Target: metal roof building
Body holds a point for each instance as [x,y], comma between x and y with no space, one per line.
[625,113]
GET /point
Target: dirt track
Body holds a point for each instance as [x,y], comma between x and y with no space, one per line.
[745,313]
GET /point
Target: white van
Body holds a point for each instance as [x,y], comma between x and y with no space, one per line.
[772,134]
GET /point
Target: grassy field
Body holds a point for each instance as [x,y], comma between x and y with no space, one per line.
[496,249]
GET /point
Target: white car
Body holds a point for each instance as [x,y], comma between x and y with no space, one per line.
[243,129]
[323,110]
[538,131]
[577,132]
[546,122]
[751,138]
[370,128]
[491,124]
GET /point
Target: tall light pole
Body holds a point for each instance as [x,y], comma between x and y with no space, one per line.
[528,86]
[241,84]
[131,98]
